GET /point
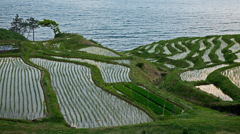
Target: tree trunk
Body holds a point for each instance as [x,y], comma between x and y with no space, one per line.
[33,34]
[28,33]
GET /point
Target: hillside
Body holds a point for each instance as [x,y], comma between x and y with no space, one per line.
[207,63]
[10,35]
[69,82]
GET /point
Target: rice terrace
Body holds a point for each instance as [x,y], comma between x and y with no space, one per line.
[69,84]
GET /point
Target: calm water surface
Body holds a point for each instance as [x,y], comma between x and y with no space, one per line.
[127,24]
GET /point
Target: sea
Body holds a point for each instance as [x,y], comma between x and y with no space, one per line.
[126,24]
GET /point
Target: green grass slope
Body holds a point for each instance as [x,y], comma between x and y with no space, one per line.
[10,35]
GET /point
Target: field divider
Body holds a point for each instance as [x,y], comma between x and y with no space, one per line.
[53,109]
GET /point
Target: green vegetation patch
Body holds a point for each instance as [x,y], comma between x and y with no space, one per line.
[142,100]
[155,98]
[10,35]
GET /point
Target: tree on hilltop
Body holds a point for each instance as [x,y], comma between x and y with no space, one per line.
[32,24]
[50,23]
[21,26]
[18,25]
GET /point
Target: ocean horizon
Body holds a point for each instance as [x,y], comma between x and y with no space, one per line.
[126,24]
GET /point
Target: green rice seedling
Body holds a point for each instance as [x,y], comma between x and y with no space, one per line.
[155,98]
[142,100]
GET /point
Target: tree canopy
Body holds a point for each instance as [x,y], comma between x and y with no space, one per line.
[32,24]
[21,26]
[18,25]
[50,23]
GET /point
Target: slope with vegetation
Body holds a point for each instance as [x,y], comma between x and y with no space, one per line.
[85,85]
[198,61]
[9,35]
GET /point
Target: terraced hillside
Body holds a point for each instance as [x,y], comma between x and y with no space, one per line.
[70,82]
[187,53]
[83,104]
[193,63]
[85,79]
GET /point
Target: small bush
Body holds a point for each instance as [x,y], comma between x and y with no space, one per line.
[140,65]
